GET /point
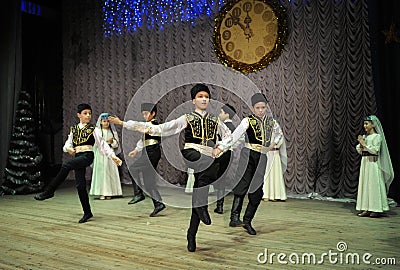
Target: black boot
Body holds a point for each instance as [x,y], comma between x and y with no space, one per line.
[138,195]
[191,238]
[86,217]
[158,207]
[220,202]
[248,217]
[235,212]
[84,199]
[250,230]
[137,198]
[47,194]
[220,206]
[203,214]
[53,185]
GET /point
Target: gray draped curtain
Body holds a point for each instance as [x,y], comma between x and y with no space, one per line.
[320,88]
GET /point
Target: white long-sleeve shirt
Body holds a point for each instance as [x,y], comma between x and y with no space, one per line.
[99,140]
[239,141]
[177,125]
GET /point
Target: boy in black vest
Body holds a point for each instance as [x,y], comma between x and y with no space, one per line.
[226,115]
[79,144]
[258,128]
[147,162]
[201,129]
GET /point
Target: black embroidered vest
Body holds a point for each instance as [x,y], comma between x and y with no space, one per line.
[83,136]
[260,131]
[201,130]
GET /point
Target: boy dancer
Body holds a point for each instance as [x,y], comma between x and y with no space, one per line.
[147,162]
[79,144]
[259,128]
[226,114]
[201,130]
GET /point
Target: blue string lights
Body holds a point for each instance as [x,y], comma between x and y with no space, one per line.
[31,8]
[121,16]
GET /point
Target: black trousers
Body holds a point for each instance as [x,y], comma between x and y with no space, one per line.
[147,165]
[253,165]
[78,163]
[205,173]
[224,161]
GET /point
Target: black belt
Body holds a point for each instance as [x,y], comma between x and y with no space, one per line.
[365,154]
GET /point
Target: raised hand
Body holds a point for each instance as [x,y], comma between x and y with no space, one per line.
[361,140]
[115,120]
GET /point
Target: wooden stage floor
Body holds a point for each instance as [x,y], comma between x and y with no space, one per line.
[46,235]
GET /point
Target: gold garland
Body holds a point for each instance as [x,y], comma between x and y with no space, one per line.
[272,55]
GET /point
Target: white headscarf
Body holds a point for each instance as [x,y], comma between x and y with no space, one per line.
[384,161]
[112,128]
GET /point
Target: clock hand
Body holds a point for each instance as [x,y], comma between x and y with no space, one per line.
[248,32]
[247,20]
[236,21]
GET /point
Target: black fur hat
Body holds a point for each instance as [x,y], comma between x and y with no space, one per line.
[229,110]
[199,88]
[83,106]
[258,97]
[148,107]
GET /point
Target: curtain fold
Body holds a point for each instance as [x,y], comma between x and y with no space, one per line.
[10,73]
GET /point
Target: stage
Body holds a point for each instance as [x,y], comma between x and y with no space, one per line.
[296,234]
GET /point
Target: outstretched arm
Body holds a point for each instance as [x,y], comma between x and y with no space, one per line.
[238,133]
[128,124]
[167,129]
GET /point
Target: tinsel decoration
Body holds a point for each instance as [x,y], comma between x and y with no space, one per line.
[281,39]
[130,15]
[23,172]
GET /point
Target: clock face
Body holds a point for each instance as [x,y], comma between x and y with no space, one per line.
[249,34]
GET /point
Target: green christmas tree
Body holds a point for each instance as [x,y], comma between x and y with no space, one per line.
[23,172]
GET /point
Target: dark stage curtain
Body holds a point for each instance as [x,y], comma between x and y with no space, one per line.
[385,48]
[10,72]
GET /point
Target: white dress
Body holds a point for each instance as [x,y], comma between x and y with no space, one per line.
[371,187]
[105,176]
[274,184]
